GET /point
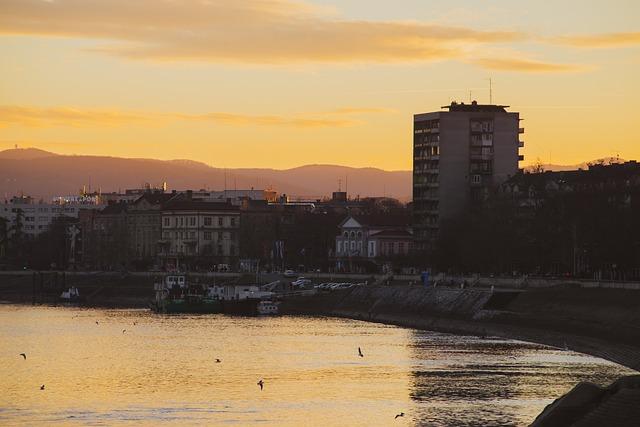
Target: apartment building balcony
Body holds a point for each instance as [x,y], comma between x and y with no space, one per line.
[434,198]
[520,130]
[520,144]
[430,171]
[520,157]
[481,156]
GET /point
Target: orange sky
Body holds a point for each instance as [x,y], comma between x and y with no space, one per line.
[281,83]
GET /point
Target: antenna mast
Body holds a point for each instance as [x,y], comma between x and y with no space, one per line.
[490,92]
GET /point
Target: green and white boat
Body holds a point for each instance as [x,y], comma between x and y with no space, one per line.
[175,295]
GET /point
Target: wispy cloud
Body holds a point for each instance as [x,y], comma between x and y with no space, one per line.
[525,65]
[66,116]
[28,116]
[606,40]
[248,31]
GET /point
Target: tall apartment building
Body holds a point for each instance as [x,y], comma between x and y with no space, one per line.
[458,156]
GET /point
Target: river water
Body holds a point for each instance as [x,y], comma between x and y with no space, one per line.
[117,367]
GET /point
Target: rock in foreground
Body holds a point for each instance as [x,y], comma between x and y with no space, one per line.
[589,405]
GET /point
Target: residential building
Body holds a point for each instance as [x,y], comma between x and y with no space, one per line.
[368,240]
[199,234]
[143,223]
[35,217]
[459,155]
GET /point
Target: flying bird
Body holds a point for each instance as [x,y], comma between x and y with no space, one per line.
[360,352]
[261,384]
[401,414]
[42,387]
[23,355]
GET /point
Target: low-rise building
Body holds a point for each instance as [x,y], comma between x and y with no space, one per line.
[199,234]
[34,217]
[371,240]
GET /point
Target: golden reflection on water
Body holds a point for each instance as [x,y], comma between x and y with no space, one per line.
[162,370]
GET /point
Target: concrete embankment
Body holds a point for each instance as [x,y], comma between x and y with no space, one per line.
[601,322]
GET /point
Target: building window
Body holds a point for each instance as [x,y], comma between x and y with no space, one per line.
[353,245]
[353,234]
[339,247]
[220,221]
[232,250]
[233,222]
[346,234]
[207,220]
[476,179]
[192,221]
[166,222]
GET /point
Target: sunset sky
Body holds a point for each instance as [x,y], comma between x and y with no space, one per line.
[282,83]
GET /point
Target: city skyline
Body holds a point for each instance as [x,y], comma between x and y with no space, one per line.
[281,84]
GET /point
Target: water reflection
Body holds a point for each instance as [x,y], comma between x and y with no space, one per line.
[163,371]
[471,381]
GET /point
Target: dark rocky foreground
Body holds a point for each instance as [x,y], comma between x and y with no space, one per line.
[588,405]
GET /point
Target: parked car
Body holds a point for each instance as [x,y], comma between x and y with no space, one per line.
[289,273]
[301,283]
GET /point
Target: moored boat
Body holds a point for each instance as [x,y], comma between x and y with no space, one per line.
[268,308]
[175,295]
[71,295]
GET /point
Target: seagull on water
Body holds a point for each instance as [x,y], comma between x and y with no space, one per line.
[401,414]
[42,387]
[261,384]
[23,355]
[360,352]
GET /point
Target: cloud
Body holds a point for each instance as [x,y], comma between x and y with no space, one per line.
[12,115]
[606,40]
[250,120]
[525,65]
[65,116]
[247,31]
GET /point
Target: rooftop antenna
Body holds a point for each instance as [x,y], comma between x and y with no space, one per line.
[346,185]
[490,91]
[469,97]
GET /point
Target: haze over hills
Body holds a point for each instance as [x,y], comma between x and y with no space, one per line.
[43,174]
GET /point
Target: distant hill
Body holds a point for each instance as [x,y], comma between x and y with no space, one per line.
[42,174]
[25,154]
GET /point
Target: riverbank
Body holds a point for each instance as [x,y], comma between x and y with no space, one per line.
[602,323]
